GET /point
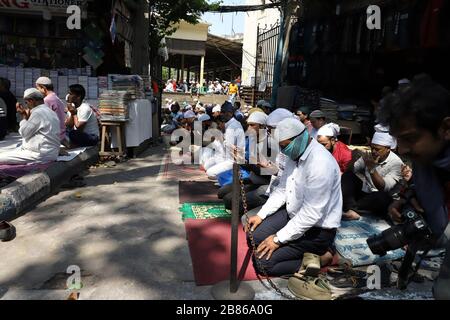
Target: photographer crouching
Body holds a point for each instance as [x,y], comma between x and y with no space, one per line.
[419,117]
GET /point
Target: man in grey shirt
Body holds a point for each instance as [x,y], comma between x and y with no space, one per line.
[381,170]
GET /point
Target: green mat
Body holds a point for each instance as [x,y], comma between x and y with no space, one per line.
[200,211]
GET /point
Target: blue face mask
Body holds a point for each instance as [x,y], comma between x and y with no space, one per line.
[297,147]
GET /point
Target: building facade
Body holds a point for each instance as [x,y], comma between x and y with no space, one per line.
[265,19]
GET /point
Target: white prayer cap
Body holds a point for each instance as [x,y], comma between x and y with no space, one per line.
[217,108]
[188,107]
[381,128]
[383,139]
[279,114]
[204,117]
[329,130]
[289,128]
[44,81]
[33,93]
[189,114]
[385,129]
[258,117]
[404,81]
[201,109]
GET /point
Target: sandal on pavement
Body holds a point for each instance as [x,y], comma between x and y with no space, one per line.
[7,231]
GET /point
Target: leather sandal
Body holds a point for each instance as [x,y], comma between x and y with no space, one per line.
[7,231]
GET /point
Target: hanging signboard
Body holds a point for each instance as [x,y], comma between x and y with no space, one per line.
[56,7]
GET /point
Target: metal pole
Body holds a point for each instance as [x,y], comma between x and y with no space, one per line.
[278,59]
[256,67]
[234,228]
[232,289]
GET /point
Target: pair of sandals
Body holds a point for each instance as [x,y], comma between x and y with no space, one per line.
[345,277]
[7,231]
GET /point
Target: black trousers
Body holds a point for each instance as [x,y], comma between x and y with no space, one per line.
[3,127]
[287,259]
[357,200]
[255,196]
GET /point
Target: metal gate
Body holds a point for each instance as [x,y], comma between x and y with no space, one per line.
[266,51]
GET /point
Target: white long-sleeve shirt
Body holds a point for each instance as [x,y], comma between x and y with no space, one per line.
[41,132]
[234,136]
[311,190]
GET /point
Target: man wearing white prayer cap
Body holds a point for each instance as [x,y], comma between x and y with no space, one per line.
[257,118]
[216,111]
[39,129]
[189,117]
[258,181]
[275,167]
[385,129]
[45,86]
[310,192]
[327,136]
[258,142]
[276,116]
[382,170]
[204,117]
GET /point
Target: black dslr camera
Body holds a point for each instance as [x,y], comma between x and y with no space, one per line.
[414,229]
[415,233]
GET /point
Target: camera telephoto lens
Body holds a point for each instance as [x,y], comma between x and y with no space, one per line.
[390,239]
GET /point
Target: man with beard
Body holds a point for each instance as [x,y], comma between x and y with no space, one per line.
[327,136]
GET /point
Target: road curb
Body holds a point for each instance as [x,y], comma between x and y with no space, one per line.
[31,189]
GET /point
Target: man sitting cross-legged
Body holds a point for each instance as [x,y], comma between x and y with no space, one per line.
[381,170]
[40,132]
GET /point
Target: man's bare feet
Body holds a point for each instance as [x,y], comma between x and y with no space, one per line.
[351,215]
[326,259]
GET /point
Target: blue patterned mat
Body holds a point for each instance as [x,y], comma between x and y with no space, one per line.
[351,241]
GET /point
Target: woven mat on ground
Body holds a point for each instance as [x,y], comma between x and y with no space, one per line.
[182,172]
[198,191]
[210,248]
[351,241]
[202,211]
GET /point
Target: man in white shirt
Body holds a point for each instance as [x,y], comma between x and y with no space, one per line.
[310,190]
[39,130]
[234,141]
[381,171]
[82,122]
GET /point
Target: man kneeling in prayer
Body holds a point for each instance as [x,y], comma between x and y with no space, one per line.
[310,189]
[40,131]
